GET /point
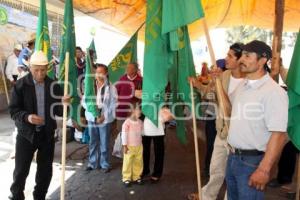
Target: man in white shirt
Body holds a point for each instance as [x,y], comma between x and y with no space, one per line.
[258,124]
[12,64]
[230,80]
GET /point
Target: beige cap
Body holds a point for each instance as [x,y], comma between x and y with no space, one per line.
[31,38]
[38,58]
[18,47]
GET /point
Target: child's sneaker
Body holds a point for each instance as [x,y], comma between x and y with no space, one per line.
[126,183]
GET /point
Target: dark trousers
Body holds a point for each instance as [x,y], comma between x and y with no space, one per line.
[211,132]
[23,157]
[159,151]
[287,164]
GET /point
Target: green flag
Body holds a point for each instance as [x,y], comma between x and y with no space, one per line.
[179,14]
[89,87]
[128,54]
[68,44]
[92,48]
[293,83]
[183,68]
[168,58]
[42,41]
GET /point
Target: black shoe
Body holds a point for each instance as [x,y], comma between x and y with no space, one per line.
[88,169]
[291,195]
[154,179]
[127,183]
[105,170]
[11,197]
[139,182]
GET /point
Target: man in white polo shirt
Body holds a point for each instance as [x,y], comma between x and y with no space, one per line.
[257,131]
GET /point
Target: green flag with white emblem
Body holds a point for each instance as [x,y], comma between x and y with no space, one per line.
[42,41]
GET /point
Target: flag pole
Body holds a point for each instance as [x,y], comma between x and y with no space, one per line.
[277,38]
[5,85]
[209,45]
[64,130]
[196,144]
[223,100]
[298,178]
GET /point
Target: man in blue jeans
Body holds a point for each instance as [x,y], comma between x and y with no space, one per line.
[99,126]
[258,124]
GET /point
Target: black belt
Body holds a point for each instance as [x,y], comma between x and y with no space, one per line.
[248,152]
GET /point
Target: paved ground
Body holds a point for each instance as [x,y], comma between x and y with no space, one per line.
[6,138]
[178,180]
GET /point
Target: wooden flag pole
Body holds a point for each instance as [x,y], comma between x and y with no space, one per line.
[5,85]
[196,144]
[209,45]
[64,130]
[298,177]
[223,100]
[277,38]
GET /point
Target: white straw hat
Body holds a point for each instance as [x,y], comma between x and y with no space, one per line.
[18,47]
[38,58]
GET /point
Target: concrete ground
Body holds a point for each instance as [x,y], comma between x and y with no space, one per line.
[179,178]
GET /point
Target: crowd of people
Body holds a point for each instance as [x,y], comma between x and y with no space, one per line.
[27,72]
[242,155]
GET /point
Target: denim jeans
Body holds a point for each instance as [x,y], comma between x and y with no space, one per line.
[238,171]
[99,145]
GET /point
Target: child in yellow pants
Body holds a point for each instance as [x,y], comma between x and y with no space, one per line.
[133,149]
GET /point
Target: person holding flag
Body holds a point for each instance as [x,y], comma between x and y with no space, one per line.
[230,79]
[31,106]
[99,102]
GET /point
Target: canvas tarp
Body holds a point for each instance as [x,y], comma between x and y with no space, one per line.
[128,15]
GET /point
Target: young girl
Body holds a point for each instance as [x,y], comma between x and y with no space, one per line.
[133,149]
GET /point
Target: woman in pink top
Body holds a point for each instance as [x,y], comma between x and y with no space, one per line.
[133,149]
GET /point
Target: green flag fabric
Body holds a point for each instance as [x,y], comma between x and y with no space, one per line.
[158,59]
[93,48]
[181,13]
[293,83]
[183,68]
[68,44]
[128,54]
[89,87]
[168,59]
[42,41]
